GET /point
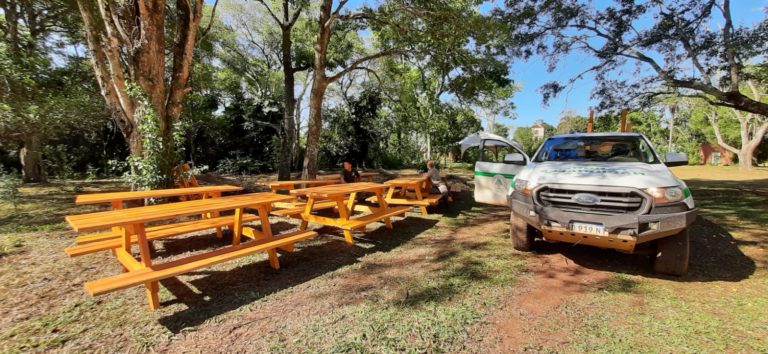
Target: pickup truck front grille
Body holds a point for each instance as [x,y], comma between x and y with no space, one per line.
[602,200]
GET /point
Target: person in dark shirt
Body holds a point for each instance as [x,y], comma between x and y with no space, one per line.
[348,174]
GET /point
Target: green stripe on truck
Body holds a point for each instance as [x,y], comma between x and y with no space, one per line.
[491,174]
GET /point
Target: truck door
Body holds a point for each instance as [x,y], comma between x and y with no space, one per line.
[495,170]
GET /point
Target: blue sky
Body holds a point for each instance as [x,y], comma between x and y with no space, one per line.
[531,74]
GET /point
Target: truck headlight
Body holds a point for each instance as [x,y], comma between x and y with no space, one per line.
[524,186]
[666,194]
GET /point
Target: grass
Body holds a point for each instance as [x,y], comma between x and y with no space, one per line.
[433,284]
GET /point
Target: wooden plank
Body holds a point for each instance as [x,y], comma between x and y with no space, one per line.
[127,260]
[101,220]
[96,198]
[331,191]
[166,231]
[299,209]
[181,266]
[370,218]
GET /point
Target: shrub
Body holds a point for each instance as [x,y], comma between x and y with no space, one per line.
[10,182]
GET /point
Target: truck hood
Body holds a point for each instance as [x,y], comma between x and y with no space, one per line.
[625,174]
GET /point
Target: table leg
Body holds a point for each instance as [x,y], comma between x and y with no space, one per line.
[419,197]
[117,205]
[383,206]
[237,228]
[351,202]
[307,212]
[391,192]
[216,214]
[152,286]
[344,216]
[266,229]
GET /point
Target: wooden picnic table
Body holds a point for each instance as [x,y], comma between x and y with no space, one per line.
[364,177]
[133,225]
[413,191]
[345,198]
[291,185]
[117,199]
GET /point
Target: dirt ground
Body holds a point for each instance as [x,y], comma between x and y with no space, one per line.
[446,282]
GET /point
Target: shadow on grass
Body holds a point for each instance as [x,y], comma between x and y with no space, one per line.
[219,292]
[745,200]
[715,256]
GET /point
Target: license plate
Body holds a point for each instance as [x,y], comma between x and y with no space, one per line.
[587,228]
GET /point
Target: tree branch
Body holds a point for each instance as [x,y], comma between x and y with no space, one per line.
[355,64]
[720,140]
[208,28]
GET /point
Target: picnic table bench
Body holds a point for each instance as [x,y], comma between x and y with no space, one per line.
[132,224]
[344,196]
[117,199]
[413,191]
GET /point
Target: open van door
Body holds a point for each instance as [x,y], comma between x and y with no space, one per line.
[499,161]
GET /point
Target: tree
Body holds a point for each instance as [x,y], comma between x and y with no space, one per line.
[422,29]
[39,98]
[572,124]
[500,130]
[129,42]
[679,53]
[751,133]
[288,133]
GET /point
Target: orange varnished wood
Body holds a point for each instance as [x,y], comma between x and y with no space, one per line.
[156,233]
[331,191]
[96,198]
[106,219]
[174,268]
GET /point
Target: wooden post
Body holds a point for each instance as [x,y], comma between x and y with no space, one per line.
[591,122]
[623,120]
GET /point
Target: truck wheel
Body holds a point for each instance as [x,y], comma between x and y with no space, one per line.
[672,254]
[521,234]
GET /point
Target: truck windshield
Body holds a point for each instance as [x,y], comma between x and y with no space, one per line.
[597,148]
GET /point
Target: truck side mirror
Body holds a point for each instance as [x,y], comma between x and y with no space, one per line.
[675,159]
[515,158]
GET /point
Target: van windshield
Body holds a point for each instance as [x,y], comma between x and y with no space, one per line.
[597,149]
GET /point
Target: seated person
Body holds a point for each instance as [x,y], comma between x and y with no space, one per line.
[348,174]
[438,187]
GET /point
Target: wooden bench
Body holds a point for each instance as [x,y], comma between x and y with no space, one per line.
[171,269]
[132,225]
[295,211]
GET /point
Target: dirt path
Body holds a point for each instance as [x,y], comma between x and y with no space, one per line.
[552,279]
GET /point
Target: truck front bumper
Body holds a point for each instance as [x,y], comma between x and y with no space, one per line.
[625,231]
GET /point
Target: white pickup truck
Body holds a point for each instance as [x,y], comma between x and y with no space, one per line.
[609,190]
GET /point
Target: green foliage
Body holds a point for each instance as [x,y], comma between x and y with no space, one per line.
[10,182]
[572,124]
[524,136]
[160,154]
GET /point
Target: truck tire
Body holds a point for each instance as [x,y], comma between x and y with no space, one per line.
[521,234]
[672,254]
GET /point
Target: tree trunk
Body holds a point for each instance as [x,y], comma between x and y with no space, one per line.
[289,134]
[31,157]
[315,126]
[745,158]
